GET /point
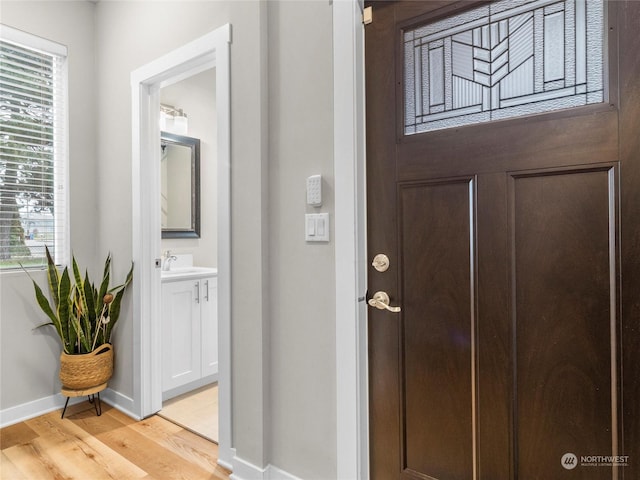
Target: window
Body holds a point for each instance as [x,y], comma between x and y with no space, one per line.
[503,60]
[33,150]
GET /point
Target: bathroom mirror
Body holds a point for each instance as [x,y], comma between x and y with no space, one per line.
[180,189]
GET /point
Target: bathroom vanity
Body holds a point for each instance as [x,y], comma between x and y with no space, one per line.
[189,329]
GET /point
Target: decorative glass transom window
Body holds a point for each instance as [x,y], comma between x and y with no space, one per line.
[505,59]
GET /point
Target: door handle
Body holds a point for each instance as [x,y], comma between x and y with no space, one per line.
[380,300]
[197,286]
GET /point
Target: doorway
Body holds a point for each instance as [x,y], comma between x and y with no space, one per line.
[512,258]
[189,238]
[204,53]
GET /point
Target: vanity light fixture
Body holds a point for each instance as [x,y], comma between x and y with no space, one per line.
[180,123]
[173,119]
[166,121]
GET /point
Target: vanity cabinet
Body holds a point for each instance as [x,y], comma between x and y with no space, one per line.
[189,334]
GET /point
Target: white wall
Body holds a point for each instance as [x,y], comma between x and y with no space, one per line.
[283,289]
[29,358]
[128,36]
[302,274]
[196,96]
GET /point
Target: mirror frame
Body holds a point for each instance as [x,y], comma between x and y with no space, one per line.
[167,138]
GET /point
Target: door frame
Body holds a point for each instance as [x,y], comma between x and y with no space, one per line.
[352,393]
[350,245]
[208,51]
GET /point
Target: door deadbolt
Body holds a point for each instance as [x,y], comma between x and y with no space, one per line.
[381,262]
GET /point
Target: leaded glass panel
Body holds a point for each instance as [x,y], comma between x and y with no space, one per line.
[502,60]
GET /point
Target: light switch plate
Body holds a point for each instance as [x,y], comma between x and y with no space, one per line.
[316,227]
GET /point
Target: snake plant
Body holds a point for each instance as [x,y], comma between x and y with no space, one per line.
[82,315]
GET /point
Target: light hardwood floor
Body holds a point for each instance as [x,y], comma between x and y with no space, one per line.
[84,446]
[196,411]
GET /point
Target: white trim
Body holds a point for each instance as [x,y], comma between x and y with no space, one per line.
[223,106]
[276,473]
[244,470]
[32,41]
[44,405]
[120,402]
[228,464]
[62,179]
[352,429]
[188,387]
[205,52]
[35,408]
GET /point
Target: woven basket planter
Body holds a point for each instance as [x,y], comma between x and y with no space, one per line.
[87,370]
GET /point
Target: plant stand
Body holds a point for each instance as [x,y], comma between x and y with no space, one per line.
[92,393]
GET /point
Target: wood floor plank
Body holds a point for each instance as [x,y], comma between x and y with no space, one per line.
[33,462]
[75,460]
[193,444]
[15,434]
[94,458]
[155,459]
[196,411]
[192,448]
[107,422]
[118,415]
[8,470]
[84,446]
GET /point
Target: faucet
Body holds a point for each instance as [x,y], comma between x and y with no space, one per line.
[166,260]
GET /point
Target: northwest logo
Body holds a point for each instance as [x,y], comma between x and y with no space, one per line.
[569,461]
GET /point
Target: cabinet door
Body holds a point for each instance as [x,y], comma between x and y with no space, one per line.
[209,315]
[181,359]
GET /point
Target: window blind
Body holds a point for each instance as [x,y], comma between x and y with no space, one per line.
[33,150]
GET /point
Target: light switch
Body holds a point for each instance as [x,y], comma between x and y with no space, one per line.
[311,226]
[317,227]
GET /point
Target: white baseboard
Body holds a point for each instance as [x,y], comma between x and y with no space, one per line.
[277,474]
[201,382]
[228,461]
[35,408]
[119,401]
[243,470]
[25,411]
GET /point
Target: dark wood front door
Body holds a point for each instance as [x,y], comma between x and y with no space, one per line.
[514,254]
